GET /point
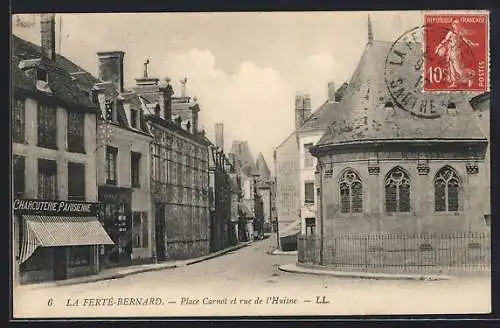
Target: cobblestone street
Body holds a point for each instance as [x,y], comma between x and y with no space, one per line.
[246,274]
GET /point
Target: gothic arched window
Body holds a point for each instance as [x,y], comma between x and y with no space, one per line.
[446,186]
[351,192]
[397,191]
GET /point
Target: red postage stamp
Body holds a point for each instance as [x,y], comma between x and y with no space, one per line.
[456,52]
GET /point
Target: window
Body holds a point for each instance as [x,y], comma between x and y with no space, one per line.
[140,230]
[446,189]
[111,157]
[351,193]
[18,120]
[310,226]
[79,256]
[133,118]
[41,75]
[397,191]
[309,192]
[18,175]
[41,259]
[75,133]
[47,126]
[47,179]
[308,158]
[135,160]
[76,181]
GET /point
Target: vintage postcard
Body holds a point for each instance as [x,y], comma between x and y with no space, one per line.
[250,164]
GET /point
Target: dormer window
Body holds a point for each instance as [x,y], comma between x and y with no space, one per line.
[134,118]
[41,75]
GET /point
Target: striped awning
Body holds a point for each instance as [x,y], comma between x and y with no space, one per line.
[51,231]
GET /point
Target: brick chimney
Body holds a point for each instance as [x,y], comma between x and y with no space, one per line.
[195,109]
[299,109]
[166,93]
[307,106]
[331,91]
[219,135]
[48,35]
[111,68]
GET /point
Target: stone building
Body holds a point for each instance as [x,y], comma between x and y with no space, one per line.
[56,230]
[180,171]
[385,170]
[295,190]
[265,190]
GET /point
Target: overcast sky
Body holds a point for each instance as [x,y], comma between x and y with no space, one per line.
[244,67]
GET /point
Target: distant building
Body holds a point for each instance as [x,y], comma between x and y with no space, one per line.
[296,195]
[56,230]
[265,190]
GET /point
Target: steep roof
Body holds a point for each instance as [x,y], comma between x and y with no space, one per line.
[262,167]
[242,151]
[361,114]
[321,118]
[60,81]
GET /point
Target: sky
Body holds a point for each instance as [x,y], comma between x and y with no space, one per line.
[244,68]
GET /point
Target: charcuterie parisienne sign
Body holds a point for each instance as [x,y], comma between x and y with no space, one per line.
[55,207]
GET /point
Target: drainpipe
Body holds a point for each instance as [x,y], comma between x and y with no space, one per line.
[321,211]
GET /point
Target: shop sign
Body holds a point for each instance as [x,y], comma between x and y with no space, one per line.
[54,207]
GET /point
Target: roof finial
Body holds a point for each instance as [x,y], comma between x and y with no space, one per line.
[183,90]
[370,30]
[146,63]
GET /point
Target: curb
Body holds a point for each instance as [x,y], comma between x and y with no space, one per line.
[120,275]
[293,268]
[280,253]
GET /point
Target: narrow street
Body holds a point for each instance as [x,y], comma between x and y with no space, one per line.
[245,275]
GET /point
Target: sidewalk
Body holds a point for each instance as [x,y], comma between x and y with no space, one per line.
[294,268]
[280,252]
[121,272]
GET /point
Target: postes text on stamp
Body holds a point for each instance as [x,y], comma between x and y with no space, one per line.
[456,57]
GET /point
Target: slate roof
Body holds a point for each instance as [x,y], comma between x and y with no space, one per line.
[321,118]
[262,167]
[361,116]
[63,87]
[242,151]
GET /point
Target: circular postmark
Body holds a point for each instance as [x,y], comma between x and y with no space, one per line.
[405,76]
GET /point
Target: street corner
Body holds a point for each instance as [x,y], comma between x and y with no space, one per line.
[324,271]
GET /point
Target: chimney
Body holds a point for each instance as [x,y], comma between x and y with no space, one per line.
[166,92]
[307,106]
[111,68]
[48,35]
[219,135]
[195,109]
[299,109]
[331,91]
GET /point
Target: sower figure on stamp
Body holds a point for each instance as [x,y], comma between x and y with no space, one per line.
[450,48]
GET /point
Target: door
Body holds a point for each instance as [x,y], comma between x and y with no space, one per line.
[160,232]
[59,263]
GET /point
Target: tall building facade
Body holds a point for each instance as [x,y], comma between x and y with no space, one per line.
[56,230]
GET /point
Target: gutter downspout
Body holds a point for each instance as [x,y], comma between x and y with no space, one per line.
[321,211]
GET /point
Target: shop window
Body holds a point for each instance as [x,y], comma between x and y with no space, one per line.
[41,259]
[309,192]
[397,191]
[140,230]
[351,192]
[446,190]
[75,132]
[111,165]
[47,126]
[135,160]
[18,120]
[47,179]
[76,181]
[19,175]
[79,256]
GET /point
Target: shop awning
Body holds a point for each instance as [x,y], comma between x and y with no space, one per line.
[52,231]
[292,229]
[244,211]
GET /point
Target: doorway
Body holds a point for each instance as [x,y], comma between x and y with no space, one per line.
[160,232]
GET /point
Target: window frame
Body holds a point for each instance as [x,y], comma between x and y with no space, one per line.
[19,164]
[47,165]
[46,126]
[18,120]
[349,178]
[308,157]
[75,258]
[439,176]
[135,169]
[111,154]
[404,179]
[75,142]
[312,191]
[81,166]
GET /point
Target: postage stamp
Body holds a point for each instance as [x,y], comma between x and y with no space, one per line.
[456,47]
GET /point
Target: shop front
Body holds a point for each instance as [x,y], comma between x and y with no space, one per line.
[56,240]
[116,218]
